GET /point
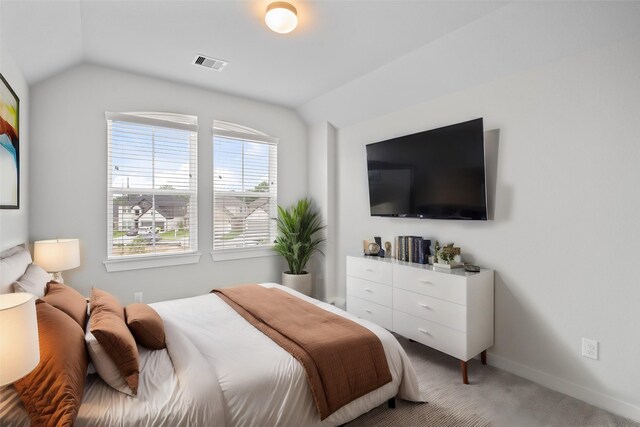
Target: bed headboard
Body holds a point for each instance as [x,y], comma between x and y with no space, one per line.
[13,263]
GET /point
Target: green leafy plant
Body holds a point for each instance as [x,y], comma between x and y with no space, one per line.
[447,254]
[296,241]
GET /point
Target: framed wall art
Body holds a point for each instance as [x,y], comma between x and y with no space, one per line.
[9,147]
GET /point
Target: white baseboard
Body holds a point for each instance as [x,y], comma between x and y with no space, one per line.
[618,407]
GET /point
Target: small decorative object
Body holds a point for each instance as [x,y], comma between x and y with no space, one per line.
[381,251]
[471,268]
[9,147]
[447,256]
[374,248]
[387,249]
[297,241]
[365,247]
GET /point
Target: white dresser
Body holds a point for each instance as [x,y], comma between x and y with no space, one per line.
[449,310]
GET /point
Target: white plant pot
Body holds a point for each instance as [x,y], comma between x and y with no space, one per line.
[298,282]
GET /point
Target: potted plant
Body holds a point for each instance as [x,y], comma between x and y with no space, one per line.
[297,242]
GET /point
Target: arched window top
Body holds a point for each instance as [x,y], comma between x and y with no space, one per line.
[234,127]
[236,131]
[170,120]
[171,117]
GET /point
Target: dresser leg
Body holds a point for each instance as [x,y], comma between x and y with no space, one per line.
[483,357]
[463,368]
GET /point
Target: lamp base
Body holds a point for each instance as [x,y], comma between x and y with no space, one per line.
[57,277]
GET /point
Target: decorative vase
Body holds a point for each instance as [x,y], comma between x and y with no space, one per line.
[298,282]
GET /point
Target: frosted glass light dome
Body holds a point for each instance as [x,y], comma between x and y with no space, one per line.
[281,17]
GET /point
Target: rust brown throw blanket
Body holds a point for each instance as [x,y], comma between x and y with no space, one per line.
[342,359]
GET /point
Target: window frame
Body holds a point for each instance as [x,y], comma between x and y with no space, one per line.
[244,133]
[158,259]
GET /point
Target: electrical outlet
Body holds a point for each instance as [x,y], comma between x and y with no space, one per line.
[137,296]
[590,348]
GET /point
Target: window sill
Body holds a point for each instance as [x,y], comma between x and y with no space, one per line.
[229,254]
[123,264]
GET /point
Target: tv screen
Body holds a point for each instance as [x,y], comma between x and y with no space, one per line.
[436,174]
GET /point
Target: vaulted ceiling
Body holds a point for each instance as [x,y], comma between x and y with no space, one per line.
[341,61]
[335,42]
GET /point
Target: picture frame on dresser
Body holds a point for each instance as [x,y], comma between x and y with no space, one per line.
[9,146]
[451,311]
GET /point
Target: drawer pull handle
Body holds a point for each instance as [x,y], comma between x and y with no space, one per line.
[423,305]
[368,290]
[426,282]
[369,270]
[424,331]
[368,311]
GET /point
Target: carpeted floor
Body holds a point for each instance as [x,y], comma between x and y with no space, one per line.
[493,398]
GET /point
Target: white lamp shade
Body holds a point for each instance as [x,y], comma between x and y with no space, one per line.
[57,255]
[281,17]
[19,346]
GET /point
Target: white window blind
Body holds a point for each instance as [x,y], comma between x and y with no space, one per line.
[152,184]
[245,187]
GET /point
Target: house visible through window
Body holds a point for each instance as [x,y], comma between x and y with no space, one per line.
[152,184]
[245,188]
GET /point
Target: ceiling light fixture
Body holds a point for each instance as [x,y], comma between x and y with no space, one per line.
[281,17]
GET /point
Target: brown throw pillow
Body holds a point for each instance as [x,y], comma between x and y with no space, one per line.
[108,326]
[146,325]
[68,300]
[105,302]
[52,392]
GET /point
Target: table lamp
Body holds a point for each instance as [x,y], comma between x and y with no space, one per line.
[57,255]
[19,346]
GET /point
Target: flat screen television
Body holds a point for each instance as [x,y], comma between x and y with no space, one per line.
[437,174]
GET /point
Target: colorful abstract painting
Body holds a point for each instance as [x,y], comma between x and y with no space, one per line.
[9,147]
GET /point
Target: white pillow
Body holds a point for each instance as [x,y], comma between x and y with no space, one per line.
[13,264]
[34,281]
[104,366]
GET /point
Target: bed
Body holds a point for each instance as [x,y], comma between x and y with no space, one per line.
[219,370]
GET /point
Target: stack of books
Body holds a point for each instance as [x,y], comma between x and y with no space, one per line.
[413,249]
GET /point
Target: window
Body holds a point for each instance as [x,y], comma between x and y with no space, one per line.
[152,185]
[245,190]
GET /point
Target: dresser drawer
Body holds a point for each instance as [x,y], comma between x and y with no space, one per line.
[370,311]
[427,282]
[436,310]
[431,334]
[370,269]
[370,291]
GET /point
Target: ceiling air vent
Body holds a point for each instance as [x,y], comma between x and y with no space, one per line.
[212,63]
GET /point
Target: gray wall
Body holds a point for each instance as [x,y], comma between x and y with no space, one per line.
[322,190]
[562,89]
[14,223]
[564,239]
[68,172]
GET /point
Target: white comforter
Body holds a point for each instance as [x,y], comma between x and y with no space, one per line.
[221,371]
[175,389]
